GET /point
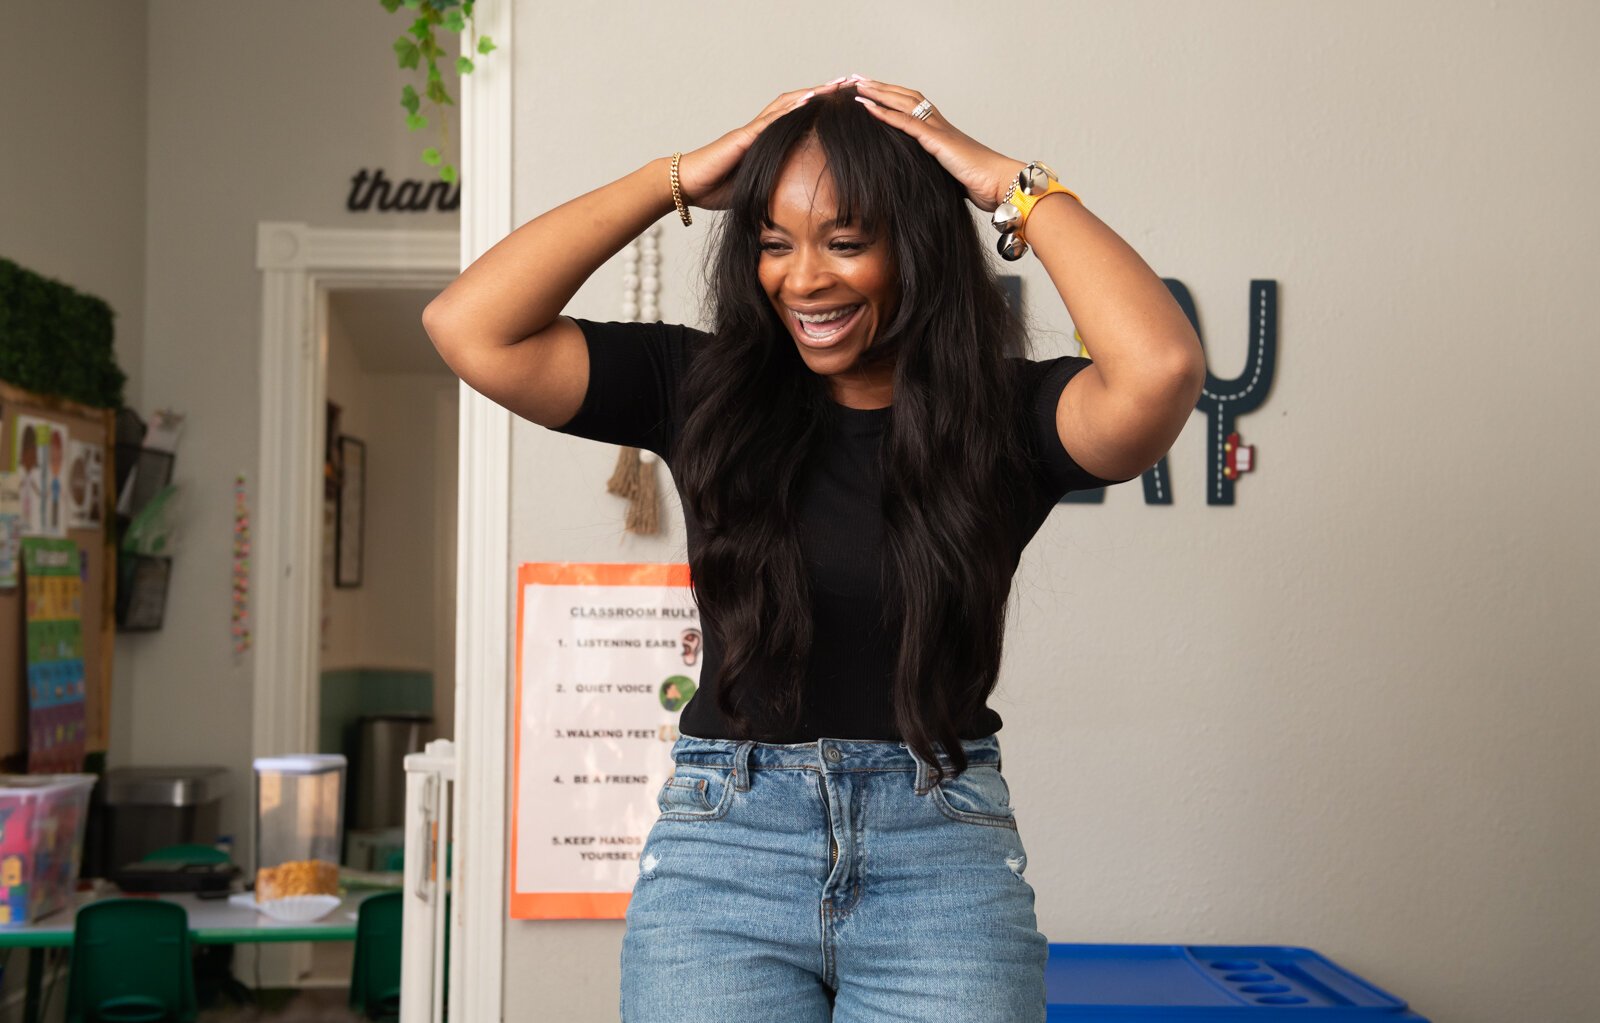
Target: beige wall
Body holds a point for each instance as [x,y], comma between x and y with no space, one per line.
[72,166]
[1356,710]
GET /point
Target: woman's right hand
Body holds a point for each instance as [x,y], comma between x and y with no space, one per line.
[705,176]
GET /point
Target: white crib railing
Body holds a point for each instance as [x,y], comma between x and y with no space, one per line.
[430,776]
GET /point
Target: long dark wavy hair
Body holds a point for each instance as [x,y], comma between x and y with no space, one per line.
[951,457]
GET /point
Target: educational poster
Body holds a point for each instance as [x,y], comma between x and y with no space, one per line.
[607,656]
[85,471]
[10,528]
[56,719]
[40,456]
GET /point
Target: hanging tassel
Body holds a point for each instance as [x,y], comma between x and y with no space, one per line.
[644,504]
[634,477]
[625,477]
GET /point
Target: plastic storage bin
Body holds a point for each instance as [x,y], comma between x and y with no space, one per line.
[299,825]
[1209,983]
[42,819]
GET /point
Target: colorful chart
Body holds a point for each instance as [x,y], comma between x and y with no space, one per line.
[57,725]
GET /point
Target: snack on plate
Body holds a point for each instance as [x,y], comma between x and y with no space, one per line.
[297,877]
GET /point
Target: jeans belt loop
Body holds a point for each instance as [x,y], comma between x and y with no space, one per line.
[741,766]
[923,774]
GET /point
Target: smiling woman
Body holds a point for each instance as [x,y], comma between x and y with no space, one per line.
[830,280]
[829,209]
[863,449]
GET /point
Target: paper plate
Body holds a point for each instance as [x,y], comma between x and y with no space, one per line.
[299,909]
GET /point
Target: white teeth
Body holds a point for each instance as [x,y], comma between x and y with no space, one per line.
[825,317]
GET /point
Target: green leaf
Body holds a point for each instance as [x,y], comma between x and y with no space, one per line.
[407,51]
[455,21]
[409,100]
[463,66]
[421,29]
[413,4]
[415,121]
[390,5]
[430,156]
[437,93]
[467,7]
[485,44]
[431,48]
[447,174]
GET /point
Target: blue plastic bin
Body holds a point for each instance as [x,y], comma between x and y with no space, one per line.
[1209,984]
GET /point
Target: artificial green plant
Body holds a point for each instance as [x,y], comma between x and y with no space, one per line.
[418,45]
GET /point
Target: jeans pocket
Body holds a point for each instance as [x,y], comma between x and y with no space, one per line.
[979,795]
[695,792]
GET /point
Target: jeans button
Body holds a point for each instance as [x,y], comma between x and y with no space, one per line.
[834,755]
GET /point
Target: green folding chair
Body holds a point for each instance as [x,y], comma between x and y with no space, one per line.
[375,974]
[130,963]
[213,964]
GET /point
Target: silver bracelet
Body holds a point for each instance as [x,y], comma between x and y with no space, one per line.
[1007,219]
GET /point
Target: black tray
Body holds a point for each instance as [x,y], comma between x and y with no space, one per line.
[175,876]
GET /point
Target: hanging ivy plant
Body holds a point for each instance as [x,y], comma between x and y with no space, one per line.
[419,45]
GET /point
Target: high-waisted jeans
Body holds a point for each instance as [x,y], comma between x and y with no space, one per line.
[830,880]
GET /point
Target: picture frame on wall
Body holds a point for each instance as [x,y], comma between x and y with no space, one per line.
[351,513]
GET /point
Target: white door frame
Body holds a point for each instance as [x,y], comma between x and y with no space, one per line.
[299,266]
[484,590]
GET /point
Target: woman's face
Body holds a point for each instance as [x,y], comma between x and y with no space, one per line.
[813,266]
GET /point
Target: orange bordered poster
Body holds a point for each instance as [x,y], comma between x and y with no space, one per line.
[607,656]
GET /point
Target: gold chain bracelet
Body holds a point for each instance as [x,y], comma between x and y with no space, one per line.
[677,195]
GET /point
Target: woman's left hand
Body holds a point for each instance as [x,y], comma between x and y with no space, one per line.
[985,173]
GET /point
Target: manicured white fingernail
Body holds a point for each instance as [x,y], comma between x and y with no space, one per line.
[863,99]
[836,81]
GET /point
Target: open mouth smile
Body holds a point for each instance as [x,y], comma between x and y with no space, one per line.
[832,325]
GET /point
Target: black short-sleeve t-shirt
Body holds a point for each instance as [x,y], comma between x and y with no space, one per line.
[635,373]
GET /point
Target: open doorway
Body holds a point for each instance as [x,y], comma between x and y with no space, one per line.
[386,637]
[387,630]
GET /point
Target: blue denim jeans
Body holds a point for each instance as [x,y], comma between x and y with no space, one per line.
[831,880]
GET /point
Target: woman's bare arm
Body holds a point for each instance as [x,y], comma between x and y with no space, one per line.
[1117,417]
[1125,411]
[499,325]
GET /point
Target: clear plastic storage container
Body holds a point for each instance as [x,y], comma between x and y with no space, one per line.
[299,825]
[42,818]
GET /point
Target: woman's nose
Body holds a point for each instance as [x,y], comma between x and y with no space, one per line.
[808,271]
